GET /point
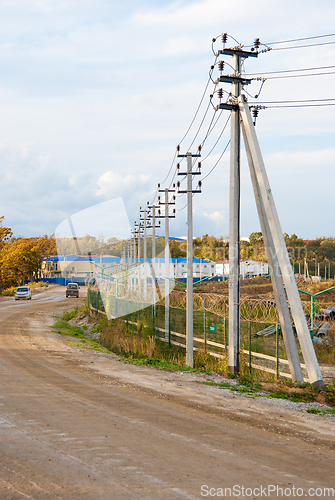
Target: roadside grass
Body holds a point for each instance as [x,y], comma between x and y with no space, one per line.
[89,344]
[319,411]
[64,328]
[139,346]
[10,292]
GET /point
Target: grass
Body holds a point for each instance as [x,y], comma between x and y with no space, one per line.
[10,292]
[162,364]
[241,386]
[64,328]
[138,345]
[88,344]
[319,411]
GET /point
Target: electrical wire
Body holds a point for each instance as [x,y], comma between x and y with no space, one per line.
[300,76]
[187,131]
[289,70]
[301,105]
[198,108]
[299,39]
[304,46]
[224,128]
[199,128]
[293,101]
[223,152]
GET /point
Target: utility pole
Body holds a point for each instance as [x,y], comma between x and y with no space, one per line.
[189,298]
[144,250]
[234,198]
[275,232]
[234,228]
[153,250]
[166,217]
[276,279]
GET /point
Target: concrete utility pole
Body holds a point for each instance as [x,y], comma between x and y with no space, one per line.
[153,253]
[134,255]
[274,231]
[276,279]
[234,228]
[144,251]
[234,200]
[166,217]
[167,266]
[189,298]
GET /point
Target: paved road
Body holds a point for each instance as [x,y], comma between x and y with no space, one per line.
[80,425]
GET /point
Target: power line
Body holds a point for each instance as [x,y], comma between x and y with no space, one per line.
[299,39]
[223,152]
[290,70]
[199,128]
[224,128]
[294,101]
[198,108]
[304,46]
[300,76]
[301,105]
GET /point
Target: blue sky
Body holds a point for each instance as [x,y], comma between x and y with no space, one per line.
[95,96]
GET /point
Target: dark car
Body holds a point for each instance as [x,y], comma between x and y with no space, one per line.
[72,290]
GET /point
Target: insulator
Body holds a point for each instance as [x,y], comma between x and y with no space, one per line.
[257,43]
[211,96]
[173,185]
[159,186]
[178,148]
[224,37]
[199,147]
[212,67]
[178,184]
[178,166]
[214,40]
[199,165]
[200,184]
[174,197]
[174,210]
[159,198]
[147,203]
[159,211]
[255,112]
[221,65]
[220,93]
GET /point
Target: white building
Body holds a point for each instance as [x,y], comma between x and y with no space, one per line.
[247,268]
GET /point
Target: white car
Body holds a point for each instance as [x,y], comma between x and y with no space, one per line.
[23,292]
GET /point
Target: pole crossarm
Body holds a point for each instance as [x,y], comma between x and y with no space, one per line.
[227,105]
[237,50]
[233,79]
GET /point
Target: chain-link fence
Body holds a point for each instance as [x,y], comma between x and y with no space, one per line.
[262,345]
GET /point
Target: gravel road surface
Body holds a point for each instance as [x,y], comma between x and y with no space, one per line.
[77,424]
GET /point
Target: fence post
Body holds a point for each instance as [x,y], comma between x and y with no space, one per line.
[277,351]
[153,318]
[225,332]
[250,346]
[205,325]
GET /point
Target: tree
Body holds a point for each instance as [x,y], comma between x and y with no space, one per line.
[5,232]
[21,258]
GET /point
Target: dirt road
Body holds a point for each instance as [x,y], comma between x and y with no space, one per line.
[76,424]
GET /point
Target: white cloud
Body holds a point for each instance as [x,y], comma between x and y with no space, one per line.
[215,216]
[95,95]
[111,184]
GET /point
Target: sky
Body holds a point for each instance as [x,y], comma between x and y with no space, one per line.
[95,95]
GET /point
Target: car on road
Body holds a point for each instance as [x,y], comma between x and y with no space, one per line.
[23,292]
[72,290]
